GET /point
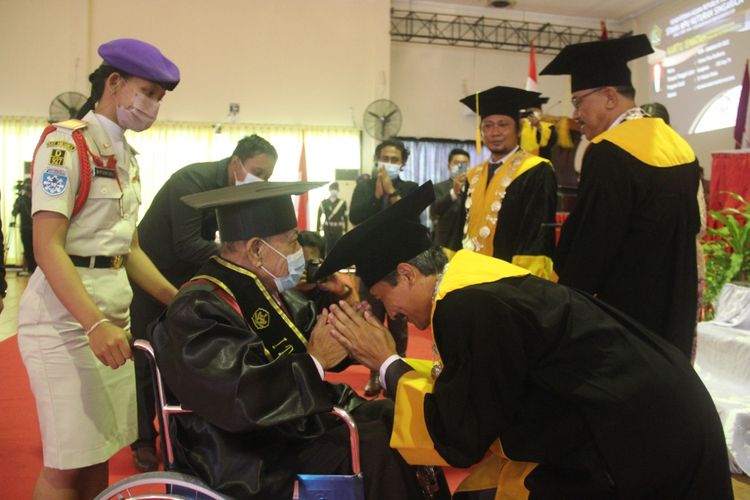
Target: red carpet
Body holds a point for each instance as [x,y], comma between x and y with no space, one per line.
[20,443]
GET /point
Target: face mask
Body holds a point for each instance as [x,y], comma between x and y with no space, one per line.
[295,264]
[249,178]
[391,169]
[458,169]
[334,195]
[140,115]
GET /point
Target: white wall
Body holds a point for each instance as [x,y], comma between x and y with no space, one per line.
[285,61]
[429,80]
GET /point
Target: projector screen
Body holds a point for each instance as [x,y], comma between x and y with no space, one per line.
[696,70]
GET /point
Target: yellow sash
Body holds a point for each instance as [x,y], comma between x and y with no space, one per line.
[485,200]
[651,141]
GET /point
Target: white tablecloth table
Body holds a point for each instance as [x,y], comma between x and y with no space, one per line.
[723,362]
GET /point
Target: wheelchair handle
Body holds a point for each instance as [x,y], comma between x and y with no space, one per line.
[353,436]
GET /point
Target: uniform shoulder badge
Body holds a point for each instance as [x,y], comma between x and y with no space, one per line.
[71,124]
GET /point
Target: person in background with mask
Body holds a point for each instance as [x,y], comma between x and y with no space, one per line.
[228,350]
[333,214]
[445,211]
[370,197]
[73,317]
[179,240]
[326,290]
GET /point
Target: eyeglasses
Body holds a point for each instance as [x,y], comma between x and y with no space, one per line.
[576,101]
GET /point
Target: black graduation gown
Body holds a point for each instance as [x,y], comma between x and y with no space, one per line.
[525,223]
[630,240]
[607,408]
[258,421]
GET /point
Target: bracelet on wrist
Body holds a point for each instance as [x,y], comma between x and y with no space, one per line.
[96,325]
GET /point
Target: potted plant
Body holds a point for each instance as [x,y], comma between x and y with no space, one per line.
[727,251]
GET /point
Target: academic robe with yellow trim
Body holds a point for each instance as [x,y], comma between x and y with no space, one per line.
[259,404]
[524,233]
[585,402]
[630,240]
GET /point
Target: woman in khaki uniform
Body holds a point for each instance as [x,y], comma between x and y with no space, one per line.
[73,319]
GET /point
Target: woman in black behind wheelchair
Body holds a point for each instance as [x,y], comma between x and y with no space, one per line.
[229,352]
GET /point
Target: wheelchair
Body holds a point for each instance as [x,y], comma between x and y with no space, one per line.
[173,484]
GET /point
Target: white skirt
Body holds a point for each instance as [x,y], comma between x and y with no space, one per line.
[87,411]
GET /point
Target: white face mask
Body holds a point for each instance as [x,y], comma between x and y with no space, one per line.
[334,194]
[392,169]
[295,264]
[140,115]
[249,178]
[458,169]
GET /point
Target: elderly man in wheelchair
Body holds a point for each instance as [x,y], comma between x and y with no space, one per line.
[228,350]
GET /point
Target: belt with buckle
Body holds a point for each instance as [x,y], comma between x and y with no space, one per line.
[99,261]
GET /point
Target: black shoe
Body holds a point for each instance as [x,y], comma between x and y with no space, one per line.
[373,386]
[145,459]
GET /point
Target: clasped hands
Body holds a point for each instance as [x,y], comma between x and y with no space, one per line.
[350,330]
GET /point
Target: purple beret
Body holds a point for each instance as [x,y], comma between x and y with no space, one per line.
[140,59]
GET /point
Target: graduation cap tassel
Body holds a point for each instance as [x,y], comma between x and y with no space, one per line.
[478,137]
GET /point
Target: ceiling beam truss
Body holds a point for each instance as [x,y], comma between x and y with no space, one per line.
[487,33]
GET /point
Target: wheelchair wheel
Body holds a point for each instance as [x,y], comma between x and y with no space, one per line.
[160,485]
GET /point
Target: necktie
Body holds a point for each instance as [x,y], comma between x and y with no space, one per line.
[492,169]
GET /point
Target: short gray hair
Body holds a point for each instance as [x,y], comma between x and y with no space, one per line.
[229,247]
[431,261]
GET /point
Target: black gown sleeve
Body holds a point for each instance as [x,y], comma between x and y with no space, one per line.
[364,203]
[217,367]
[484,368]
[595,229]
[525,223]
[187,241]
[443,200]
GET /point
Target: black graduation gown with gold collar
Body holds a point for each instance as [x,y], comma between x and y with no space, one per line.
[556,378]
[518,217]
[253,389]
[630,240]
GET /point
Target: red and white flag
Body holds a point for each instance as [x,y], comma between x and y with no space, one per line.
[302,205]
[604,35]
[742,125]
[532,82]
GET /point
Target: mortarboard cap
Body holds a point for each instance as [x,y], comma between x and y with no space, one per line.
[140,59]
[258,209]
[600,63]
[499,100]
[384,240]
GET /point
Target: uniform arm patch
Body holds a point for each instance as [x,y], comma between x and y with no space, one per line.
[54,181]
